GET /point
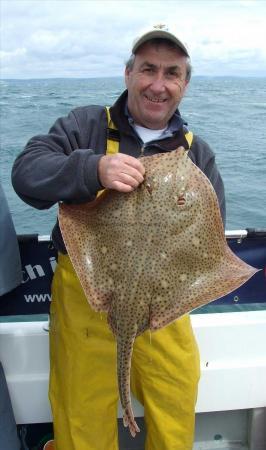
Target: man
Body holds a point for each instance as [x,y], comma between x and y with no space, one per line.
[72,163]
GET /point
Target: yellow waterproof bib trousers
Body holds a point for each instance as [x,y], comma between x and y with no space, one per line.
[83,386]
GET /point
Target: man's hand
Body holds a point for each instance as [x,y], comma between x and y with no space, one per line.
[120,172]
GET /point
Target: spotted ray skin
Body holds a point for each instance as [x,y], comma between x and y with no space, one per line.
[150,256]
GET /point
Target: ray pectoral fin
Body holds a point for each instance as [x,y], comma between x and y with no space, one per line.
[163,314]
[100,301]
[231,273]
[88,254]
[226,276]
[199,287]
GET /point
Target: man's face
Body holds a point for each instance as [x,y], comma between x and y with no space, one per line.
[156,85]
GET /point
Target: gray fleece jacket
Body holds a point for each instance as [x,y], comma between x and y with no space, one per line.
[62,165]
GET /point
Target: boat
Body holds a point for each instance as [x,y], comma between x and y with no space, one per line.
[231,333]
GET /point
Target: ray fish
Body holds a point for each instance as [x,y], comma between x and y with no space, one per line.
[150,256]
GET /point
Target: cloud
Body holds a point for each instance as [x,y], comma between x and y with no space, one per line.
[86,38]
[8,55]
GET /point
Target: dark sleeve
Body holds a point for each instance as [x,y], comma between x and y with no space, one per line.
[204,158]
[59,166]
[10,264]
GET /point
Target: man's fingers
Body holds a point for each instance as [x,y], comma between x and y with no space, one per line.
[122,187]
[116,171]
[131,180]
[130,164]
[131,172]
[134,162]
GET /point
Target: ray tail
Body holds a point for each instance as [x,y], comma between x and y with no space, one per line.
[125,342]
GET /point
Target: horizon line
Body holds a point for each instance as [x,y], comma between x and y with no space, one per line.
[121,76]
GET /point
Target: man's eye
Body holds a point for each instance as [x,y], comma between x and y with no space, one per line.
[148,70]
[174,74]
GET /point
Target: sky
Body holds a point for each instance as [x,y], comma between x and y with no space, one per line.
[93,38]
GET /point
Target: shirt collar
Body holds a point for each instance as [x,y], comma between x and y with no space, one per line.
[175,123]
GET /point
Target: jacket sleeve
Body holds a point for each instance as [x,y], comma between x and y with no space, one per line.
[10,264]
[58,166]
[204,158]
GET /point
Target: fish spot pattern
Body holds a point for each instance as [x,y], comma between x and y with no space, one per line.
[147,260]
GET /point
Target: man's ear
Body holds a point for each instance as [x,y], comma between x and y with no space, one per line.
[185,87]
[127,72]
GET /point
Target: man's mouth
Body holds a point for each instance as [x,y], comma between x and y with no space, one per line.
[155,99]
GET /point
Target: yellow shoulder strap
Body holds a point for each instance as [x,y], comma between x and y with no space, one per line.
[189,138]
[112,147]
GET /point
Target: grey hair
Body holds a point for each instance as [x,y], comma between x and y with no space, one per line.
[156,42]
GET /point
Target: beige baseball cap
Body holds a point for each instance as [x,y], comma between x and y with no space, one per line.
[159,31]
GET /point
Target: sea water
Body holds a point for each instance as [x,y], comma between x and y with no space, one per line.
[228,113]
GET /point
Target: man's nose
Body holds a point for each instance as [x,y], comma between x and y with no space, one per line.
[158,84]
